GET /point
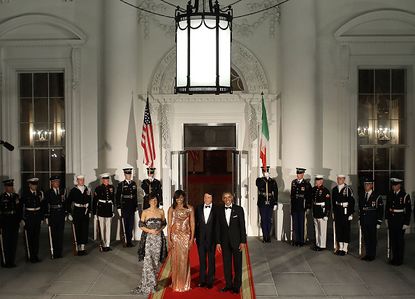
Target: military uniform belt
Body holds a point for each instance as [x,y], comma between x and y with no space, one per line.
[8,213]
[342,204]
[105,201]
[320,204]
[369,209]
[397,210]
[33,209]
[78,205]
[127,196]
[265,193]
[55,206]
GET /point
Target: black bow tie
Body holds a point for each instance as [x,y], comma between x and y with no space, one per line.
[207,207]
[228,208]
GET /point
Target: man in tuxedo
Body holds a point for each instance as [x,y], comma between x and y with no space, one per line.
[231,241]
[206,240]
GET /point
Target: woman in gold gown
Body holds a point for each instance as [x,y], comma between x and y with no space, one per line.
[180,229]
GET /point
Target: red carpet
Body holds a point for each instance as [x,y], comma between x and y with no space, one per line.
[164,291]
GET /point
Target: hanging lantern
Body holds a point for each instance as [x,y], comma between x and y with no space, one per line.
[203,45]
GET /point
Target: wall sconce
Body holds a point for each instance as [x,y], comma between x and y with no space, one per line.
[363,131]
[42,135]
[384,134]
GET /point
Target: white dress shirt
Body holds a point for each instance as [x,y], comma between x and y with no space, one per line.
[228,214]
[81,188]
[340,187]
[367,195]
[206,211]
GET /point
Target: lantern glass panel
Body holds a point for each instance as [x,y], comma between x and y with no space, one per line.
[224,54]
[182,41]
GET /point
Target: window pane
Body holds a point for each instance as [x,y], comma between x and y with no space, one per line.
[382,182]
[57,160]
[383,131]
[398,132]
[25,89]
[365,159]
[25,137]
[366,84]
[382,81]
[382,106]
[57,110]
[56,85]
[26,110]
[40,82]
[57,137]
[382,159]
[42,160]
[41,110]
[26,157]
[398,81]
[366,105]
[397,158]
[44,183]
[397,107]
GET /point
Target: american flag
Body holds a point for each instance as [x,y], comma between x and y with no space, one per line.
[147,139]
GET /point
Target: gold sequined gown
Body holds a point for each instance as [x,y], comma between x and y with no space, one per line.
[180,262]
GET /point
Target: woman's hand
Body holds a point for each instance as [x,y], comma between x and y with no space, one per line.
[191,242]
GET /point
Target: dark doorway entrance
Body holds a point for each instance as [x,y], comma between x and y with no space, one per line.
[211,171]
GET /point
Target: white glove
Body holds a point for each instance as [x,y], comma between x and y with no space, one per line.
[119,212]
[350,218]
[325,218]
[307,212]
[161,207]
[70,218]
[404,227]
[275,207]
[377,226]
[89,215]
[95,217]
[22,223]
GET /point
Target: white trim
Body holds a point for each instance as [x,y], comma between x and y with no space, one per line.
[45,19]
[343,34]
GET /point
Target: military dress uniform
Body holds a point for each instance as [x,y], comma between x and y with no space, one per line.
[300,202]
[33,214]
[10,217]
[321,206]
[103,209]
[152,185]
[343,208]
[267,200]
[371,216]
[126,201]
[79,205]
[398,213]
[55,212]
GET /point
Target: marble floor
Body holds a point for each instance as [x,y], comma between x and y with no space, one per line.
[280,271]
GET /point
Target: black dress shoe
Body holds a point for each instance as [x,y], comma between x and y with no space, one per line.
[370,258]
[364,258]
[235,290]
[342,253]
[226,289]
[268,240]
[209,285]
[201,285]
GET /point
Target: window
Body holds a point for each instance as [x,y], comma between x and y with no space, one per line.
[381,125]
[42,126]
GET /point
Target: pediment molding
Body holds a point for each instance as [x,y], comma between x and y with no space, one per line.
[379,26]
[40,29]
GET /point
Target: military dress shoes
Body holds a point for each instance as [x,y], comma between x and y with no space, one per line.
[235,290]
[201,285]
[209,285]
[226,289]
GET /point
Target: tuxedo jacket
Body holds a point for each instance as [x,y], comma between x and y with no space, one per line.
[234,233]
[205,232]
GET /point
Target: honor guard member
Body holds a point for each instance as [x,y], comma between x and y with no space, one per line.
[267,201]
[371,216]
[300,202]
[55,201]
[33,206]
[398,214]
[152,185]
[321,201]
[103,209]
[127,204]
[343,209]
[79,207]
[10,217]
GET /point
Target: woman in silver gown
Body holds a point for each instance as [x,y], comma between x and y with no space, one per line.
[152,247]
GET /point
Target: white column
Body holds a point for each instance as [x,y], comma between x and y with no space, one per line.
[300,137]
[120,67]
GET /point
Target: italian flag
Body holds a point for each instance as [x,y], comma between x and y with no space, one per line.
[264,135]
